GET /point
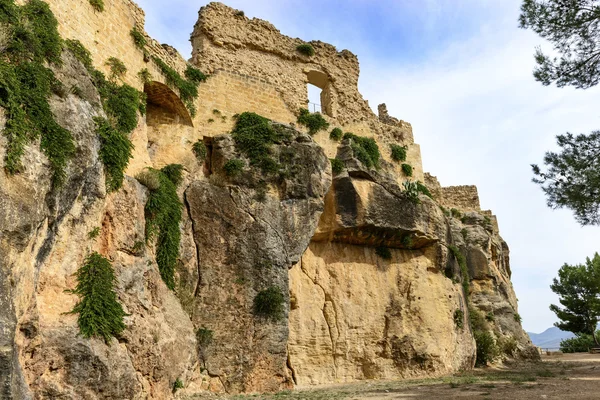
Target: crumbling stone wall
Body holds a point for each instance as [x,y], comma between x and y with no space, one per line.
[463,198]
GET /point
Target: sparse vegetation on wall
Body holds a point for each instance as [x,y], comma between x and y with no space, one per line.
[117,68]
[233,167]
[462,262]
[145,76]
[115,152]
[188,88]
[337,166]
[163,215]
[98,5]
[200,150]
[459,317]
[138,38]
[365,150]
[313,121]
[306,49]
[26,84]
[407,169]
[270,303]
[100,313]
[398,152]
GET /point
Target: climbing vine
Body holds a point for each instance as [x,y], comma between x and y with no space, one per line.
[188,88]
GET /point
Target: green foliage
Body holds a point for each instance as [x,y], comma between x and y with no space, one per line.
[122,104]
[508,345]
[270,303]
[188,88]
[337,166]
[94,233]
[163,215]
[490,317]
[149,178]
[233,167]
[336,134]
[80,52]
[465,233]
[117,68]
[194,75]
[573,176]
[138,38]
[462,262]
[423,189]
[398,152]
[313,121]
[254,137]
[200,150]
[98,5]
[487,350]
[178,385]
[204,337]
[239,13]
[26,85]
[383,252]
[305,49]
[455,213]
[412,190]
[578,288]
[365,150]
[477,320]
[573,29]
[407,169]
[459,317]
[582,343]
[100,313]
[115,152]
[407,241]
[145,76]
[517,318]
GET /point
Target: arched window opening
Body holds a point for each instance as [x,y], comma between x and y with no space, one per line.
[164,103]
[319,93]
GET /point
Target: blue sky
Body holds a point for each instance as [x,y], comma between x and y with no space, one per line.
[460,72]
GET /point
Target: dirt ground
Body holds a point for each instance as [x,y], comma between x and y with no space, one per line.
[559,377]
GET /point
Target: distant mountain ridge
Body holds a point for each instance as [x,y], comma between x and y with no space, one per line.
[550,338]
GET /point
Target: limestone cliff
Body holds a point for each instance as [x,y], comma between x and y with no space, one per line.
[366,273]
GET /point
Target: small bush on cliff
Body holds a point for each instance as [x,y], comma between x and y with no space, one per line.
[487,350]
[26,84]
[462,262]
[200,150]
[138,38]
[336,134]
[163,215]
[100,313]
[383,252]
[459,317]
[407,169]
[270,303]
[313,121]
[365,150]
[98,5]
[117,68]
[517,318]
[337,166]
[233,167]
[423,189]
[411,190]
[178,385]
[306,49]
[115,152]
[398,152]
[194,75]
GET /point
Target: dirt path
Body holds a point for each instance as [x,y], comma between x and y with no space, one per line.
[557,377]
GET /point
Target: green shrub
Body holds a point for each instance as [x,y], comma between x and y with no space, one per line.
[465,233]
[459,317]
[26,85]
[508,345]
[204,337]
[178,385]
[270,303]
[383,252]
[337,166]
[487,351]
[94,233]
[254,137]
[117,68]
[80,52]
[407,241]
[122,103]
[239,13]
[163,215]
[490,317]
[462,262]
[411,190]
[398,152]
[115,152]
[98,5]
[477,320]
[423,189]
[305,49]
[365,150]
[313,121]
[138,38]
[517,317]
[100,313]
[407,169]
[145,76]
[579,344]
[200,150]
[194,75]
[336,134]
[233,167]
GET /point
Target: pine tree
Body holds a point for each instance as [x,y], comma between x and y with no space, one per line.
[100,313]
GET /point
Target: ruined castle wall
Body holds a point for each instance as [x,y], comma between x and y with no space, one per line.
[107,34]
[464,198]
